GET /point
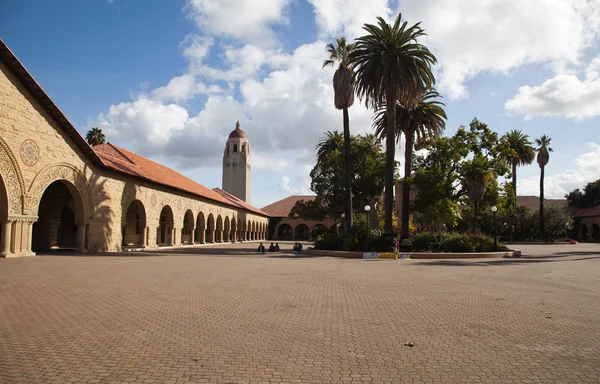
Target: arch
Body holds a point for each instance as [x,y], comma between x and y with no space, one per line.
[234,234]
[254,237]
[595,232]
[164,232]
[227,229]
[585,233]
[235,147]
[301,232]
[219,229]
[134,226]
[187,230]
[59,172]
[210,228]
[243,147]
[284,232]
[200,228]
[249,230]
[240,228]
[12,178]
[60,222]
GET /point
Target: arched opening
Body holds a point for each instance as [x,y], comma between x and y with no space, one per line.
[227,230]
[284,232]
[134,228]
[234,147]
[249,230]
[595,232]
[243,148]
[317,230]
[187,231]
[254,237]
[585,233]
[240,228]
[219,230]
[164,235]
[5,243]
[234,236]
[200,228]
[302,232]
[60,219]
[210,229]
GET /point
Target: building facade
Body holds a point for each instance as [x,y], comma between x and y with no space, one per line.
[58,192]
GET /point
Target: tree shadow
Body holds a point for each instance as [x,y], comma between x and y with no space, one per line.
[99,231]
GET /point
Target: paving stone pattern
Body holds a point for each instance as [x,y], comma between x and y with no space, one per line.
[226,315]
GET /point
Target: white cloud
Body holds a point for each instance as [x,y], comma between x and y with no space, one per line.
[497,36]
[585,169]
[263,162]
[564,95]
[285,186]
[347,17]
[245,20]
[196,48]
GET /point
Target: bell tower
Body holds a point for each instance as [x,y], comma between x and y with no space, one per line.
[236,165]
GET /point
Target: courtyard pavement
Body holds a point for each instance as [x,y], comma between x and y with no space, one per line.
[224,314]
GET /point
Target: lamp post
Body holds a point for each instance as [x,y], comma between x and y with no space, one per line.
[367,209]
[494,210]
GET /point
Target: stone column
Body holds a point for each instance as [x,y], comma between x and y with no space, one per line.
[202,236]
[174,240]
[30,238]
[233,236]
[81,237]
[144,235]
[6,236]
[193,236]
[152,237]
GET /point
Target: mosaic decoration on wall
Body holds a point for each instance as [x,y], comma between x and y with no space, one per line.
[30,153]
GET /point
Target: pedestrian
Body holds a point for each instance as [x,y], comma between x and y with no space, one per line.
[396,247]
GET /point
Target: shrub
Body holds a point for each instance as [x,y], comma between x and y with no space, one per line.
[456,242]
[329,242]
[427,242]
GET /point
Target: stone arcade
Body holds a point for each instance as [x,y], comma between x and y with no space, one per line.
[58,192]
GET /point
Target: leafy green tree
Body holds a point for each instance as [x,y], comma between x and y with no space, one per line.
[95,137]
[557,223]
[543,157]
[521,152]
[332,141]
[343,88]
[590,197]
[425,119]
[368,165]
[391,66]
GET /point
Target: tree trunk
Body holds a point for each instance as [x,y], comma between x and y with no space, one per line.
[475,217]
[390,147]
[348,222]
[408,153]
[542,204]
[514,177]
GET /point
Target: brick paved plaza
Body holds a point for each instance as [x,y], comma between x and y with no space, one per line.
[226,315]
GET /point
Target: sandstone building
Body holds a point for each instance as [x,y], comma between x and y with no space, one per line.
[58,192]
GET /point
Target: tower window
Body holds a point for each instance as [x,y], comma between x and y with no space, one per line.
[234,147]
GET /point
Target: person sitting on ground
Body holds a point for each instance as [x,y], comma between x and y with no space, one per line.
[299,247]
[276,247]
[295,249]
[271,248]
[261,248]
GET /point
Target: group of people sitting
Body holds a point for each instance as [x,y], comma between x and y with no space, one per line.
[275,248]
[272,248]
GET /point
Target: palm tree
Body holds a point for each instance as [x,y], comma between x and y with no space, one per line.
[425,119]
[391,66]
[543,157]
[343,97]
[329,143]
[95,136]
[522,152]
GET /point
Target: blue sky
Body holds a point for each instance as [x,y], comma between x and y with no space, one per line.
[169,79]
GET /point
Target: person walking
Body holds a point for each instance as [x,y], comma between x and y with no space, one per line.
[396,247]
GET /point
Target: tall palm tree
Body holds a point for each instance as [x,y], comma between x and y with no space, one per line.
[329,143]
[343,98]
[425,119]
[391,66]
[522,152]
[543,156]
[95,136]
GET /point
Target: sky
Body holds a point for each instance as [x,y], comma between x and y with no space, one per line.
[169,79]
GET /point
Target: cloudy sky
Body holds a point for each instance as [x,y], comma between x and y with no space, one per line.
[169,79]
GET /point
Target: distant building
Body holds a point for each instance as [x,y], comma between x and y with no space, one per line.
[282,227]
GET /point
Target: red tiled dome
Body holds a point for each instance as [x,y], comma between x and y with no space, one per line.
[237,133]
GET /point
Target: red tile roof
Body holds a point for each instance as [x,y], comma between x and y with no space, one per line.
[585,212]
[124,161]
[237,200]
[283,207]
[533,202]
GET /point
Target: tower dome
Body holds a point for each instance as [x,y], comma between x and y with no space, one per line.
[237,132]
